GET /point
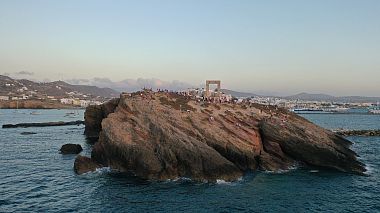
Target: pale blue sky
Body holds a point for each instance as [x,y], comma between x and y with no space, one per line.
[330,46]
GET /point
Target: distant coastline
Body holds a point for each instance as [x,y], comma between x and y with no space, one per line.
[35,104]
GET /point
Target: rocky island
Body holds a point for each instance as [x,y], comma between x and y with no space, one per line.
[166,135]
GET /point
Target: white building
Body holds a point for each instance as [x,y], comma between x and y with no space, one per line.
[84,103]
[4,98]
[67,101]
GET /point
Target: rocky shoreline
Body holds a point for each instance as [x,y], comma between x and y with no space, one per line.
[165,136]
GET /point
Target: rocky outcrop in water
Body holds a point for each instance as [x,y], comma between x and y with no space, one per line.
[43,124]
[71,149]
[84,164]
[165,136]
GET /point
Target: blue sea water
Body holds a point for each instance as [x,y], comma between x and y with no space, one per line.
[34,177]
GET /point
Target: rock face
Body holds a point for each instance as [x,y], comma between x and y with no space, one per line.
[71,149]
[311,144]
[165,136]
[95,114]
[84,164]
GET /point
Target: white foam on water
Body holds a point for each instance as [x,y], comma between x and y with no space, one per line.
[218,181]
[223,182]
[369,169]
[282,171]
[99,171]
[103,170]
[179,179]
[314,171]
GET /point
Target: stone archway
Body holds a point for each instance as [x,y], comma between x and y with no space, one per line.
[208,82]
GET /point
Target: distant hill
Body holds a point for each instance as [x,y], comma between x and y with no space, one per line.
[55,88]
[238,94]
[310,97]
[324,97]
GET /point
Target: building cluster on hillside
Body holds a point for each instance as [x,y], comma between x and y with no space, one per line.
[18,91]
[22,92]
[79,102]
[292,104]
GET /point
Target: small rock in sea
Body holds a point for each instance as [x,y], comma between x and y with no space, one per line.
[28,133]
[71,149]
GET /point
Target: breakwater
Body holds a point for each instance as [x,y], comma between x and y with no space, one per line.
[347,132]
[43,124]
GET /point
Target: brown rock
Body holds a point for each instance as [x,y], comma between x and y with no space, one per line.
[84,164]
[150,135]
[306,142]
[94,115]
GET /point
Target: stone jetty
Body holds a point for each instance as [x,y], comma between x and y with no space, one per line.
[347,132]
[43,124]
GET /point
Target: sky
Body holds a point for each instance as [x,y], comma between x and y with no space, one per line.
[272,46]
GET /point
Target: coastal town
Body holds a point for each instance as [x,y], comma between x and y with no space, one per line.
[28,94]
[14,94]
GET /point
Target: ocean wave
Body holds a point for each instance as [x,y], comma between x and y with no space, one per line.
[218,181]
[229,183]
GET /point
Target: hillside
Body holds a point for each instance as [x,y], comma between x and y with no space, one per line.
[237,94]
[55,88]
[324,97]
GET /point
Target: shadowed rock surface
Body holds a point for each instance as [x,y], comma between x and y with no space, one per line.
[94,115]
[84,164]
[165,136]
[71,149]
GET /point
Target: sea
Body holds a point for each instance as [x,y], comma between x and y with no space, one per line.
[35,177]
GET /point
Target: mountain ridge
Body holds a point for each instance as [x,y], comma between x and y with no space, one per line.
[308,96]
[54,88]
[325,97]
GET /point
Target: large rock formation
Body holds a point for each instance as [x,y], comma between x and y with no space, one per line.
[165,136]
